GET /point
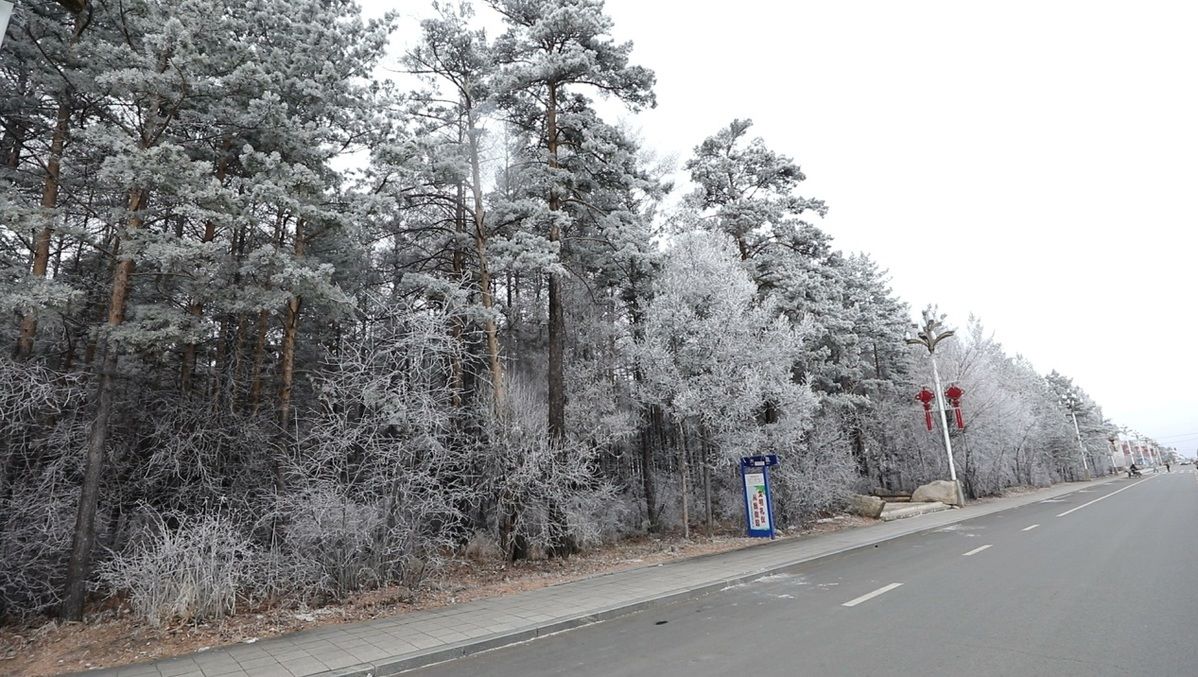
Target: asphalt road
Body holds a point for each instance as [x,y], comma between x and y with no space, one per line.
[1095,583]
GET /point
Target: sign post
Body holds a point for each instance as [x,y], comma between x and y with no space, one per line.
[759,511]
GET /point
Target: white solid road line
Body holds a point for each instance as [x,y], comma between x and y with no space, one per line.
[975,551]
[1146,479]
[865,598]
[1030,528]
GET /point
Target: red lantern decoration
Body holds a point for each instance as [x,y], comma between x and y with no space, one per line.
[926,396]
[954,394]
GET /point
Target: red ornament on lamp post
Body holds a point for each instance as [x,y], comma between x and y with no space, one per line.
[926,396]
[954,394]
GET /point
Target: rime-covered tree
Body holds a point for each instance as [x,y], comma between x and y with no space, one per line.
[713,352]
[459,60]
[553,53]
[748,189]
[45,88]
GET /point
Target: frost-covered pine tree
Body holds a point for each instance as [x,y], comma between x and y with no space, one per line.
[458,60]
[148,89]
[43,87]
[221,129]
[554,53]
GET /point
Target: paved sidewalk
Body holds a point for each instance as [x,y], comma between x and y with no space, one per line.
[391,645]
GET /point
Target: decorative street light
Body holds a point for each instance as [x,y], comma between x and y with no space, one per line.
[929,336]
[1073,404]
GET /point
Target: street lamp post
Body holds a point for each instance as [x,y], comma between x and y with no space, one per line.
[929,336]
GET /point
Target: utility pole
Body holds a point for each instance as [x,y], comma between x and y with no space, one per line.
[1072,404]
[1080,445]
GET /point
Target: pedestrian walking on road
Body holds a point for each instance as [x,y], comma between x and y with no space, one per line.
[1167,467]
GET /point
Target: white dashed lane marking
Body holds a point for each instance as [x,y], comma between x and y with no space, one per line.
[866,597]
[1107,496]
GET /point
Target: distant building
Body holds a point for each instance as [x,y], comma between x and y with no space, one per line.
[1131,449]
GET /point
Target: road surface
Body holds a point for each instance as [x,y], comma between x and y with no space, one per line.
[1098,582]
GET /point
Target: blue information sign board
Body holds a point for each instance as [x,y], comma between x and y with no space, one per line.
[759,511]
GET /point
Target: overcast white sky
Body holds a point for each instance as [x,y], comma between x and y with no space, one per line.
[1033,163]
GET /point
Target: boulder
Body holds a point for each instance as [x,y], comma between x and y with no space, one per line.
[896,511]
[866,506]
[942,491]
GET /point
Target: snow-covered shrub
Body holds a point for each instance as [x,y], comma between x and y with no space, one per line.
[815,477]
[600,515]
[36,522]
[40,445]
[183,567]
[372,491]
[330,544]
[545,494]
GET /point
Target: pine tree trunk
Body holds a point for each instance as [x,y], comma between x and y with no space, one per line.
[557,318]
[707,498]
[263,320]
[557,332]
[196,308]
[259,359]
[287,358]
[682,471]
[85,519]
[705,456]
[487,293]
[50,189]
[647,475]
[457,324]
[235,369]
[41,248]
[14,134]
[75,6]
[223,342]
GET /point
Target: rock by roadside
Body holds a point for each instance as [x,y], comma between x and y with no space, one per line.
[896,511]
[866,506]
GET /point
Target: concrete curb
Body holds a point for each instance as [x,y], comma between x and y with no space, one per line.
[398,664]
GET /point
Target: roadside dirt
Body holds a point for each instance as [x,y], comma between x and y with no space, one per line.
[112,637]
